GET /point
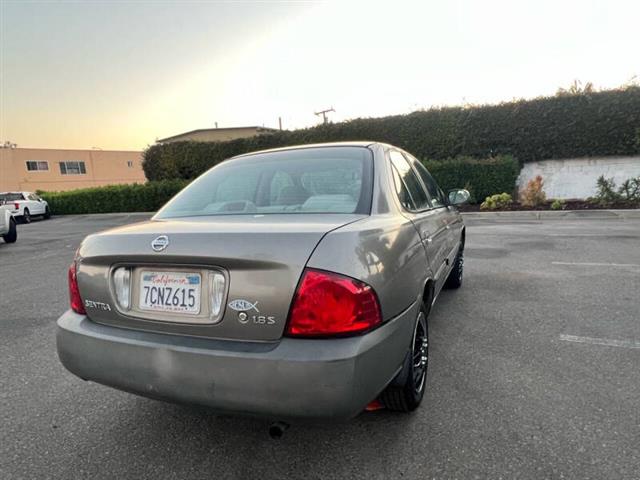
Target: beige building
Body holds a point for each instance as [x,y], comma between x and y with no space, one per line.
[30,169]
[217,134]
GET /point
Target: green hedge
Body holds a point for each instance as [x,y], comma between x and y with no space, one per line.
[481,177]
[567,126]
[147,197]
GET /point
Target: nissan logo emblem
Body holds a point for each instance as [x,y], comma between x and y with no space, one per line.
[160,243]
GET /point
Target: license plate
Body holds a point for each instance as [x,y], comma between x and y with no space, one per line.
[171,292]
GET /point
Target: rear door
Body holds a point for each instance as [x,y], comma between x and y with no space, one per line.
[440,203]
[429,221]
[36,206]
[28,204]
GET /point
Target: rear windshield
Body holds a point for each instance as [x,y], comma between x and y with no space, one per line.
[308,180]
[11,197]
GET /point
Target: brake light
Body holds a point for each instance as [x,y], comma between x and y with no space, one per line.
[16,206]
[74,291]
[328,304]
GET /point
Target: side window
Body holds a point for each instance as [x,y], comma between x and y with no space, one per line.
[437,196]
[401,190]
[72,168]
[37,166]
[410,180]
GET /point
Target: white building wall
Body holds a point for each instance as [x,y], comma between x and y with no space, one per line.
[576,177]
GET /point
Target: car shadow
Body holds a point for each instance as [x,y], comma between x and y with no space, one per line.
[187,441]
[34,219]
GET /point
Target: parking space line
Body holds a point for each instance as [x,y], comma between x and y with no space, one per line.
[593,264]
[600,341]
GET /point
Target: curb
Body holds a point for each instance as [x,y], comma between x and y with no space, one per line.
[555,215]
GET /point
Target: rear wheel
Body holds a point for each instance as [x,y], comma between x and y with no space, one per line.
[47,213]
[407,396]
[26,216]
[454,280]
[12,235]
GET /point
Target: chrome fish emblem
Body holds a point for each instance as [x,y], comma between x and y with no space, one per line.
[241,305]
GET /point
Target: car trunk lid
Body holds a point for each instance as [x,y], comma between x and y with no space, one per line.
[260,256]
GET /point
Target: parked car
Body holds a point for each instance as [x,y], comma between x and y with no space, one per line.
[8,230]
[26,205]
[288,283]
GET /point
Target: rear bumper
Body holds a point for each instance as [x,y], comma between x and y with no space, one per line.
[288,379]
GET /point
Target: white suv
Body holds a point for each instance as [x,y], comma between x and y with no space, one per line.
[8,229]
[25,205]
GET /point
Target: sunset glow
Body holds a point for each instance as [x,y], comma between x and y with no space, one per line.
[120,75]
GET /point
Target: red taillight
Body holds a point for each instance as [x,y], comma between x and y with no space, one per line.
[74,291]
[331,304]
[16,206]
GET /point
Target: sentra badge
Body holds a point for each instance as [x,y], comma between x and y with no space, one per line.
[97,305]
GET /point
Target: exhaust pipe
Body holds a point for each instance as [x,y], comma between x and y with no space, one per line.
[277,429]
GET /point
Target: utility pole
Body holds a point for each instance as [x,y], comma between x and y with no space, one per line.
[324,114]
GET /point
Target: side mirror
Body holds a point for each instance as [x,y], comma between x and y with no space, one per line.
[459,196]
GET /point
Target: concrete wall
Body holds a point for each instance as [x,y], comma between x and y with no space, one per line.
[576,177]
[103,167]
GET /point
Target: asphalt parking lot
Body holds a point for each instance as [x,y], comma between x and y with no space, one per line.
[534,373]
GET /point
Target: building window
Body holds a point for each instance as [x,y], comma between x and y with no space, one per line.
[129,164]
[37,166]
[72,168]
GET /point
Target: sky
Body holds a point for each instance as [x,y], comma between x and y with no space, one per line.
[121,74]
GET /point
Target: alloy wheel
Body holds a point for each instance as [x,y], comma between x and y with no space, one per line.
[420,353]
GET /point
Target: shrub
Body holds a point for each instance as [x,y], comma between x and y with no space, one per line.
[630,189]
[607,195]
[147,197]
[557,204]
[577,124]
[496,202]
[480,177]
[532,195]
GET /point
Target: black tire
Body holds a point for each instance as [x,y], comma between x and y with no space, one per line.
[26,216]
[454,280]
[12,235]
[47,213]
[405,395]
